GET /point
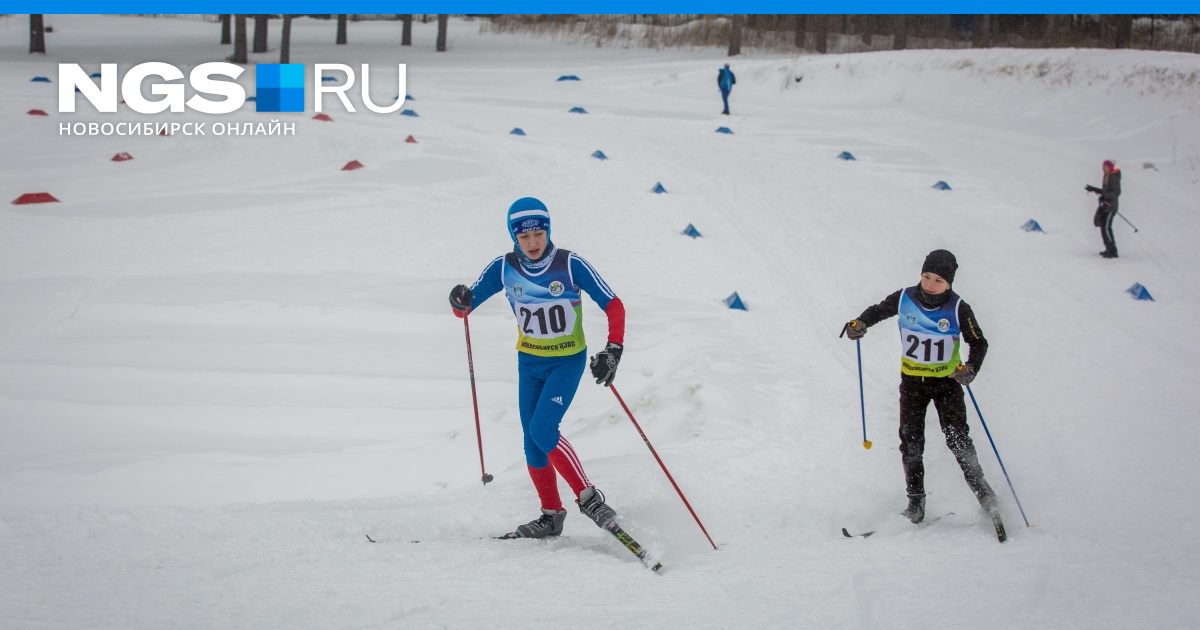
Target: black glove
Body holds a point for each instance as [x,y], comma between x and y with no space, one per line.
[964,375]
[1092,189]
[460,298]
[604,364]
[854,329]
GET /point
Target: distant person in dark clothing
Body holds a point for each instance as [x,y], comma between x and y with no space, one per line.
[725,81]
[1109,192]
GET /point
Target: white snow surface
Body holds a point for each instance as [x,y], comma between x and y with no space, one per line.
[224,362]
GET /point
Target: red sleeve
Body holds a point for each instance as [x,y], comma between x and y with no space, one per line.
[616,320]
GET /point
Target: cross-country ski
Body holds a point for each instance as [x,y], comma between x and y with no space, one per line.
[846,533]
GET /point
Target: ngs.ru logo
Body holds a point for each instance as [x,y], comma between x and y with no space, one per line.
[280,87]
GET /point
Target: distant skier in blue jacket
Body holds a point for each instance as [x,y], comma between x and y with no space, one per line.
[725,81]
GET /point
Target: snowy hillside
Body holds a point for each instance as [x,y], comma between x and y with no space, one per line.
[223,362]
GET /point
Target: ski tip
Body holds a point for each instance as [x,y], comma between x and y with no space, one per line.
[656,567]
[846,533]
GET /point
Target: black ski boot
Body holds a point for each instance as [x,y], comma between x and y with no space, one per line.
[987,500]
[550,523]
[591,503]
[915,511]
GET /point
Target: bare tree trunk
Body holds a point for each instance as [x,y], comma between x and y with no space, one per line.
[821,33]
[341,29]
[946,27]
[37,33]
[735,34]
[443,24]
[1077,29]
[239,39]
[901,32]
[260,32]
[981,30]
[800,23]
[285,40]
[866,26]
[406,34]
[226,36]
[1051,32]
[1123,30]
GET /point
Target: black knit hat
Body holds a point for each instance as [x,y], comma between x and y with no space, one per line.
[942,263]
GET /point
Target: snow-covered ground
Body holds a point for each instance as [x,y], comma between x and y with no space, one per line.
[225,361]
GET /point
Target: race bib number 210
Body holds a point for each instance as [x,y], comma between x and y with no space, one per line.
[546,320]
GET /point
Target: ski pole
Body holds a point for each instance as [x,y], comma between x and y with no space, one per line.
[989,437]
[862,403]
[662,465]
[475,401]
[1127,221]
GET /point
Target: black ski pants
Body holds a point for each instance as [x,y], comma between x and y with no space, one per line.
[1106,231]
[916,392]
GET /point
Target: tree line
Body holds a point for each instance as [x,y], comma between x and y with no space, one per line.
[234,32]
[818,33]
[981,31]
[822,33]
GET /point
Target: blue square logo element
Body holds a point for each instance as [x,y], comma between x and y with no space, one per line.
[280,87]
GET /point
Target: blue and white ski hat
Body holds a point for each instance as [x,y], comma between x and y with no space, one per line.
[527,214]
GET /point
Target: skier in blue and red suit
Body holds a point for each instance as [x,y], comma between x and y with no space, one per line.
[543,284]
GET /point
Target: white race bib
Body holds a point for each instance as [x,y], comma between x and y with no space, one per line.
[546,320]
